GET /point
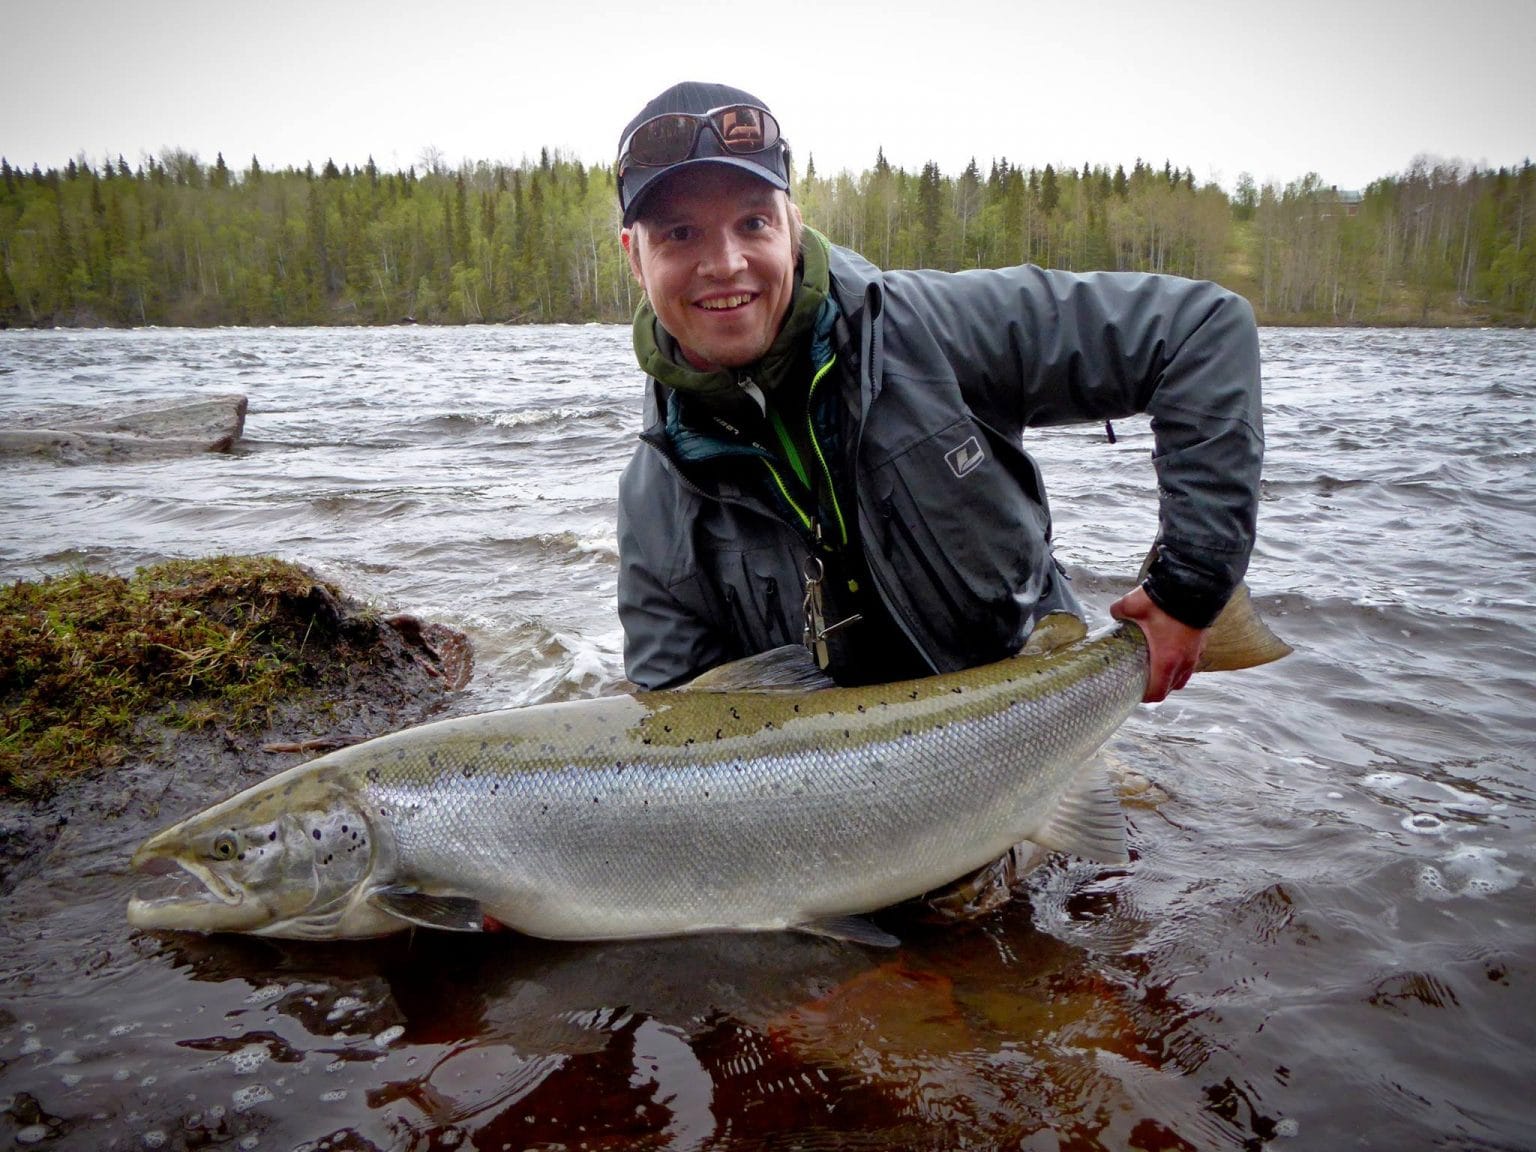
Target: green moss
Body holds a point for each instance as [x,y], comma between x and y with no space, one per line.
[192,643]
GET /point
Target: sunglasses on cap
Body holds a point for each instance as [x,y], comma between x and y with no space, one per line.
[742,129]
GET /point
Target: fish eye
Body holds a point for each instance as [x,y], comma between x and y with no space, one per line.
[224,848]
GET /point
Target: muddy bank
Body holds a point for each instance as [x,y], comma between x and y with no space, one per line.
[307,669]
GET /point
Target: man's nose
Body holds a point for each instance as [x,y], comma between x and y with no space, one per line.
[723,256]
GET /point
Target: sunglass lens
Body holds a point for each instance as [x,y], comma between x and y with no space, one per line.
[744,129]
[664,140]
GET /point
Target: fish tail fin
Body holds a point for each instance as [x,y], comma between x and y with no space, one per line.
[1239,638]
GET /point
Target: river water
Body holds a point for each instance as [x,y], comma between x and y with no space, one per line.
[1326,938]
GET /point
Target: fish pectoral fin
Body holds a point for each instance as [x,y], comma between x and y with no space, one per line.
[1088,821]
[1056,630]
[854,929]
[452,913]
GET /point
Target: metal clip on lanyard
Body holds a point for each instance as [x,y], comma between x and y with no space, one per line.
[816,627]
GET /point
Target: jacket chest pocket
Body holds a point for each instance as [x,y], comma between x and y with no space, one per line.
[961,524]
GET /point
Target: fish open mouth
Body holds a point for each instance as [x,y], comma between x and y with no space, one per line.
[191,901]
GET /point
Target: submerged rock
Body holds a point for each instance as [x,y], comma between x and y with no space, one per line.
[204,424]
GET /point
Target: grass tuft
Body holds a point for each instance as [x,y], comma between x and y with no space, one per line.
[194,643]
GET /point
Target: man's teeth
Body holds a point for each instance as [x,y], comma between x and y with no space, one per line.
[727,301]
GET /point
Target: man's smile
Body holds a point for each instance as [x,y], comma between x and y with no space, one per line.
[721,303]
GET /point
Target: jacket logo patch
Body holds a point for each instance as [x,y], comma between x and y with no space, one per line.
[966,458]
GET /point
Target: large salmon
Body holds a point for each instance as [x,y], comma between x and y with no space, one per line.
[732,804]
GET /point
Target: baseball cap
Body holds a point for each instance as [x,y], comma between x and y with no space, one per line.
[695,101]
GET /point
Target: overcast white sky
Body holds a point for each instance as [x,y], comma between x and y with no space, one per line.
[1349,89]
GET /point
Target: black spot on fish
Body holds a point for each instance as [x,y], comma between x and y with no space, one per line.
[432,759]
[594,799]
[329,858]
[861,707]
[272,835]
[735,715]
[956,689]
[373,775]
[913,694]
[383,811]
[719,733]
[399,755]
[797,707]
[768,725]
[241,856]
[315,833]
[567,726]
[484,745]
[666,727]
[468,771]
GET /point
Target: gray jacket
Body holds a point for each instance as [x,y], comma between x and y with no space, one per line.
[940,375]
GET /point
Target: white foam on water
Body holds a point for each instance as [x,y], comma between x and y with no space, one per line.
[1470,871]
[265,994]
[32,1134]
[344,1005]
[248,1059]
[1424,824]
[247,1098]
[387,1037]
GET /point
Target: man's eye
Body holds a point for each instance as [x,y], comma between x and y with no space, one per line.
[755,223]
[680,232]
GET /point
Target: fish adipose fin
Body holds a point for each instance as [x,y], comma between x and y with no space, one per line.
[452,913]
[854,929]
[789,668]
[1088,822]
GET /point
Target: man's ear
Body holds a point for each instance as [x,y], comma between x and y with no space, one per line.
[632,249]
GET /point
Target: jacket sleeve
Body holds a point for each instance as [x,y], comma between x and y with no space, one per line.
[665,641]
[1052,347]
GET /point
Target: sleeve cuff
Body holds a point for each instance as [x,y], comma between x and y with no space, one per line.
[1191,597]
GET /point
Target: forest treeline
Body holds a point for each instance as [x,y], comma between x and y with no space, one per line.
[176,241]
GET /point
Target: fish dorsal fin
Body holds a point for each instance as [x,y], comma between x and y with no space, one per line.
[452,913]
[1056,630]
[789,668]
[1088,822]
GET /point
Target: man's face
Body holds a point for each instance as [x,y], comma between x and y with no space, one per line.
[715,253]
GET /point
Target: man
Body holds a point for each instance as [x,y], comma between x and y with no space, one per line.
[834,454]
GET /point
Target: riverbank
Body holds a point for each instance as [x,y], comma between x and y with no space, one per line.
[131,701]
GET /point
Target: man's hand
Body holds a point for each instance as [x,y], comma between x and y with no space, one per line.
[1174,648]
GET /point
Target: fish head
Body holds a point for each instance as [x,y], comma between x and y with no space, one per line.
[287,859]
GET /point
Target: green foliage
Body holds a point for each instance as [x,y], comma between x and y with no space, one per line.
[174,242]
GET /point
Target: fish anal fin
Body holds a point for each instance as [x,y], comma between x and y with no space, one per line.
[1088,821]
[854,929]
[450,913]
[788,668]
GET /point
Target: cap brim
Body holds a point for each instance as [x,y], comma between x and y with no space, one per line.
[654,176]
